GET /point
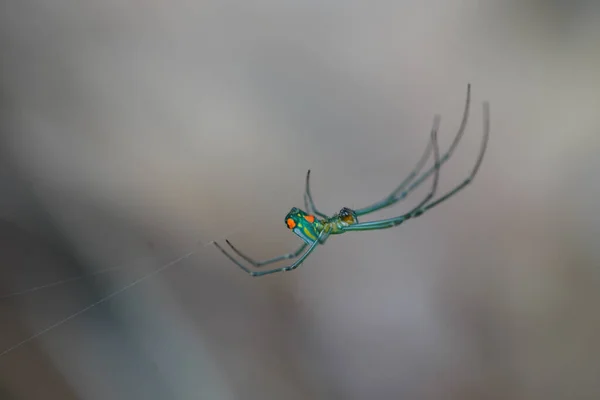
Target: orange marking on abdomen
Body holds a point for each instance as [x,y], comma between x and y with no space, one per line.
[310,218]
[290,223]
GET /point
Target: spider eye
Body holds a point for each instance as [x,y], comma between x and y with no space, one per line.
[291,224]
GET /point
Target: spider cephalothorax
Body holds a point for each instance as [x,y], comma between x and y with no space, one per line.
[348,216]
[315,231]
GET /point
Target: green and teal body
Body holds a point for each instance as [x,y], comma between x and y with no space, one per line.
[308,227]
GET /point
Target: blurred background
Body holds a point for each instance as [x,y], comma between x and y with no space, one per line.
[133,133]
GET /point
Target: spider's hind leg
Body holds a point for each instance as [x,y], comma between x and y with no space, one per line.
[321,239]
[257,264]
[308,201]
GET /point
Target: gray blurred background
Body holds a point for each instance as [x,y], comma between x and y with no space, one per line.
[135,132]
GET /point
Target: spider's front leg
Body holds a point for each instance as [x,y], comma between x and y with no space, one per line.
[409,183]
[425,205]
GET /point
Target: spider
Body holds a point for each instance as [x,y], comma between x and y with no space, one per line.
[315,227]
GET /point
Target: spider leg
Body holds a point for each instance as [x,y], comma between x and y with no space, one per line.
[382,223]
[257,264]
[394,197]
[321,239]
[423,207]
[307,206]
[308,196]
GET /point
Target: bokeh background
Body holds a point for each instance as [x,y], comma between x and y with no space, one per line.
[133,133]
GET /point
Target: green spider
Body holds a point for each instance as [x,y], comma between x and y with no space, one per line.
[314,231]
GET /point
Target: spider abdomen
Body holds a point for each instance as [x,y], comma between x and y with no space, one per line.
[304,225]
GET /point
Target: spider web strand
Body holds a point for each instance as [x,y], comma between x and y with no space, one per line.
[105,298]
